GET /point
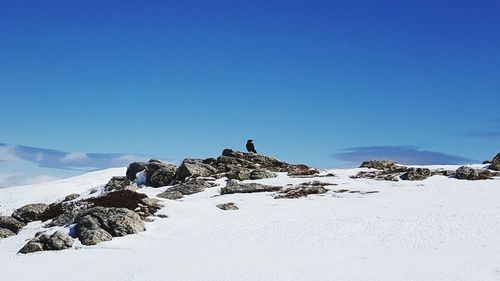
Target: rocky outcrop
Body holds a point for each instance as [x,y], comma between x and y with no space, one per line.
[133,169]
[379,165]
[227,206]
[495,163]
[302,190]
[163,176]
[11,224]
[4,233]
[236,187]
[171,195]
[48,242]
[119,183]
[30,212]
[469,173]
[101,224]
[416,174]
[192,168]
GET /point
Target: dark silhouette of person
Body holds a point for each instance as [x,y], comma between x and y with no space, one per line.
[250,146]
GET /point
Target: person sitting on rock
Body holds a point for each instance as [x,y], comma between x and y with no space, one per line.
[250,146]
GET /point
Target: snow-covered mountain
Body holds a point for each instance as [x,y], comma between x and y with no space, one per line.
[439,228]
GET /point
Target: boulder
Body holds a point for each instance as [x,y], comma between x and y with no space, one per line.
[238,173]
[416,174]
[468,173]
[379,164]
[194,168]
[63,219]
[154,165]
[227,206]
[261,174]
[133,169]
[48,242]
[171,195]
[30,212]
[163,176]
[4,233]
[236,187]
[93,224]
[495,163]
[119,183]
[300,191]
[11,224]
[118,199]
[189,187]
[71,197]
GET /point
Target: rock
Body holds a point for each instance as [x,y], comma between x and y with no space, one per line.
[235,187]
[148,207]
[486,162]
[133,169]
[194,168]
[44,242]
[379,164]
[261,174]
[238,173]
[119,183]
[72,196]
[299,170]
[301,191]
[63,219]
[227,206]
[172,195]
[118,199]
[416,174]
[154,165]
[495,163]
[468,173]
[93,224]
[163,176]
[447,173]
[30,212]
[4,233]
[11,224]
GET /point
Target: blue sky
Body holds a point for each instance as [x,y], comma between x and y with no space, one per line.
[317,82]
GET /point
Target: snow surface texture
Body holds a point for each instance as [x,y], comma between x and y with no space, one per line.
[436,229]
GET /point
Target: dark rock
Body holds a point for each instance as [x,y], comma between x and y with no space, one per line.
[301,191]
[154,165]
[148,207]
[238,173]
[71,197]
[495,163]
[172,195]
[261,174]
[468,173]
[194,168]
[135,168]
[486,162]
[227,206]
[118,199]
[447,173]
[163,176]
[235,187]
[30,212]
[299,170]
[416,174]
[45,242]
[93,224]
[4,233]
[119,183]
[379,164]
[63,219]
[11,224]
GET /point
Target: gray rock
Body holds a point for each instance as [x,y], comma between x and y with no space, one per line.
[163,176]
[71,197]
[92,225]
[4,233]
[416,174]
[30,212]
[468,173]
[238,173]
[227,206]
[64,219]
[194,168]
[154,165]
[44,242]
[301,191]
[171,195]
[235,187]
[119,183]
[495,163]
[11,224]
[261,174]
[379,164]
[133,169]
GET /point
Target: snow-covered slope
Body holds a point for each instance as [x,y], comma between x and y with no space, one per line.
[436,229]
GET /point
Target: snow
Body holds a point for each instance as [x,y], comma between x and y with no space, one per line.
[436,229]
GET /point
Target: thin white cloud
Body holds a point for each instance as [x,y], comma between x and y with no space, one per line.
[8,153]
[74,157]
[8,179]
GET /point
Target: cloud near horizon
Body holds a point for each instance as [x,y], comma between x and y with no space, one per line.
[402,154]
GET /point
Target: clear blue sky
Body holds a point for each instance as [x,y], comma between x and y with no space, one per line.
[305,79]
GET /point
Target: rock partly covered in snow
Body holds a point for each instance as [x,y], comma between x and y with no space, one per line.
[227,206]
[468,173]
[4,233]
[416,174]
[11,224]
[237,187]
[119,183]
[30,212]
[133,169]
[495,163]
[302,190]
[48,242]
[192,186]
